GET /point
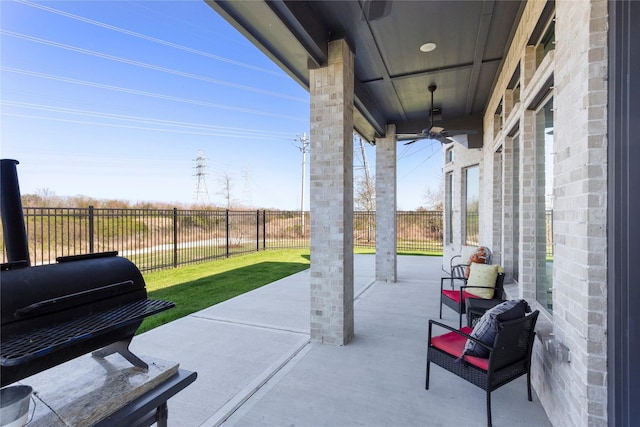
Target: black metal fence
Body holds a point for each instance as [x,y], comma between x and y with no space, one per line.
[164,238]
[415,230]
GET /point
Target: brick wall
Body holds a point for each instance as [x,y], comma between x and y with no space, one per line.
[581,211]
[574,393]
[386,203]
[331,176]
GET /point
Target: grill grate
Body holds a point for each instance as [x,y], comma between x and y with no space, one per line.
[22,348]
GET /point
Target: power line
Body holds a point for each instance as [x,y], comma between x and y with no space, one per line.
[224,130]
[58,119]
[418,165]
[149,66]
[149,38]
[148,94]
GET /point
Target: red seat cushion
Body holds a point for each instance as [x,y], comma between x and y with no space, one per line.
[455,295]
[453,344]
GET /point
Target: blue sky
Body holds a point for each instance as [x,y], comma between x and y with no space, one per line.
[113,100]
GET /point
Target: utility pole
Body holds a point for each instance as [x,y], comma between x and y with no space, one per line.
[365,190]
[365,163]
[201,185]
[304,145]
[365,194]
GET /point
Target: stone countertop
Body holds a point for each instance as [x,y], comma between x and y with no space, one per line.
[85,390]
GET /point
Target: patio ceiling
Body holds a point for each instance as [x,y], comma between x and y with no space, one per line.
[392,74]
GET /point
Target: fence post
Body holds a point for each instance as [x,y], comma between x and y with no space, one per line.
[175,237]
[264,229]
[258,230]
[227,220]
[91,229]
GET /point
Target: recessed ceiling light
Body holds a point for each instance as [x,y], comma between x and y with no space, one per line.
[428,47]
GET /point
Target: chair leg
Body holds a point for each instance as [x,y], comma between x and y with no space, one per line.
[488,408]
[460,319]
[426,383]
[529,384]
[440,306]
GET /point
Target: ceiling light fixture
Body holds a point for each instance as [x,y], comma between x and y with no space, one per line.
[428,47]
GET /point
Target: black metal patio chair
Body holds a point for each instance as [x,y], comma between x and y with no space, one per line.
[509,357]
[456,299]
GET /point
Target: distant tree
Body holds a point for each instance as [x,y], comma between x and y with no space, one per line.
[226,188]
[365,194]
[434,199]
[81,201]
[31,200]
[46,196]
[115,204]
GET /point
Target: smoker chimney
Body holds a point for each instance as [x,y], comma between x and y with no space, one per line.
[14,231]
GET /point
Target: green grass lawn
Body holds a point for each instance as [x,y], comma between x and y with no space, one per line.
[195,287]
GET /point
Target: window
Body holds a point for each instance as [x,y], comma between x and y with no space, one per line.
[471,207]
[514,85]
[547,42]
[498,119]
[544,214]
[449,155]
[449,206]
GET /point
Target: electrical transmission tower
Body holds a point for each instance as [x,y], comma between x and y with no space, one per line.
[201,195]
[246,179]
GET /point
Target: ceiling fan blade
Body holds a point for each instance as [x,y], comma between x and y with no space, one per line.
[417,137]
[461,139]
[406,136]
[448,133]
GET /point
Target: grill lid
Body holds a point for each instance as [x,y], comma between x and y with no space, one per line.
[54,313]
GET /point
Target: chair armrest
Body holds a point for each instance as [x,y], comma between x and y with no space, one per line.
[451,279]
[447,327]
[457,331]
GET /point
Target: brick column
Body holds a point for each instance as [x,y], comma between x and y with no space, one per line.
[386,204]
[331,170]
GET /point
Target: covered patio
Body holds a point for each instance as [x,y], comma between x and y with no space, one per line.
[257,364]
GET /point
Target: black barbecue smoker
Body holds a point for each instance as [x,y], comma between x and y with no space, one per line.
[54,313]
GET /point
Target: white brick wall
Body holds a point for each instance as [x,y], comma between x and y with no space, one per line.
[575,393]
[581,194]
[331,174]
[386,202]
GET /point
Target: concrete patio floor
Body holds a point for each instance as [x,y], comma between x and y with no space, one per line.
[257,367]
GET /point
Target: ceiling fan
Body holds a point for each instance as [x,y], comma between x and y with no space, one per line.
[439,133]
